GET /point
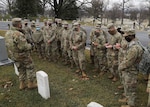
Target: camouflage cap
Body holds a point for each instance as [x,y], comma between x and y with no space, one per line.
[130,32]
[45,20]
[33,22]
[59,21]
[110,25]
[98,23]
[50,20]
[76,23]
[65,23]
[16,20]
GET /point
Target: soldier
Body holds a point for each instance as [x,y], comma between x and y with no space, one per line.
[91,39]
[19,49]
[28,33]
[128,67]
[48,47]
[99,50]
[78,40]
[58,32]
[112,52]
[38,39]
[65,43]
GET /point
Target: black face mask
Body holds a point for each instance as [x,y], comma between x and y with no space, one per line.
[128,39]
[97,33]
[76,29]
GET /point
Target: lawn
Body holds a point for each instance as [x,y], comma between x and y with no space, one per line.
[66,87]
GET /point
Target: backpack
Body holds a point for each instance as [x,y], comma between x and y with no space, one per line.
[144,64]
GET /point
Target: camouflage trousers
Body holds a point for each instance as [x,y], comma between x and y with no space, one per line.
[130,86]
[41,49]
[148,104]
[48,51]
[26,69]
[113,64]
[79,59]
[99,62]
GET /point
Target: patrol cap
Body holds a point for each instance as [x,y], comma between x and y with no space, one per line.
[50,21]
[130,32]
[76,23]
[59,21]
[44,20]
[110,25]
[16,21]
[33,22]
[65,23]
[98,23]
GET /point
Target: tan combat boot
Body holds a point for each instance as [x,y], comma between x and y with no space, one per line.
[31,85]
[115,79]
[120,87]
[101,73]
[22,85]
[110,76]
[123,100]
[84,76]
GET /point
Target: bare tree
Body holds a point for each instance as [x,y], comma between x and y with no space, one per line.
[7,4]
[148,7]
[59,5]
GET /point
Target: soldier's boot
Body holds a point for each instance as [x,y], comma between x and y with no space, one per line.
[127,106]
[120,87]
[95,70]
[31,85]
[22,85]
[115,79]
[101,73]
[110,76]
[84,76]
[123,100]
[71,64]
[123,94]
[78,71]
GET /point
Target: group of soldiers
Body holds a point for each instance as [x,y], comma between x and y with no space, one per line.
[115,51]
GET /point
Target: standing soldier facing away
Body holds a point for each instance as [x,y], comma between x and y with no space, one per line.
[19,49]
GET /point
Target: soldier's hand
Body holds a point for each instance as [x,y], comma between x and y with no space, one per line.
[106,44]
[148,90]
[109,46]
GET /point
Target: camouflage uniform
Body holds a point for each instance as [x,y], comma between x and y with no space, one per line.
[38,39]
[78,40]
[65,43]
[99,50]
[129,70]
[28,33]
[48,31]
[112,53]
[58,32]
[19,50]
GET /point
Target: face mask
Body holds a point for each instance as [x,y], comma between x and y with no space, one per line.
[65,28]
[37,28]
[128,39]
[76,29]
[97,33]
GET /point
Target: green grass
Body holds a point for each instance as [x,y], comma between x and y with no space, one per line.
[66,88]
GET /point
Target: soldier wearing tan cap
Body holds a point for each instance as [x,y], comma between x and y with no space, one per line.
[19,49]
[129,69]
[112,53]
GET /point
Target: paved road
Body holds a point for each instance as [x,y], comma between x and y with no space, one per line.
[141,35]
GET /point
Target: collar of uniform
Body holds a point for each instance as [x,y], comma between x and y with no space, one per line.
[132,43]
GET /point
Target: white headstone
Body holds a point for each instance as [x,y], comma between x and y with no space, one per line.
[43,84]
[94,104]
[16,69]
